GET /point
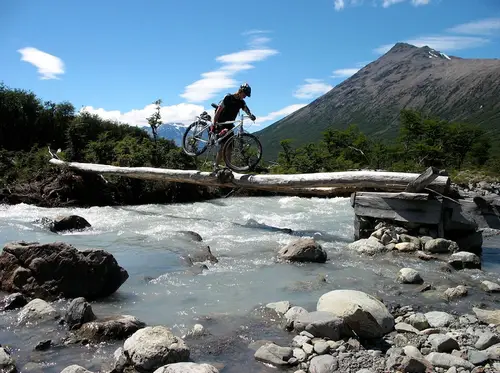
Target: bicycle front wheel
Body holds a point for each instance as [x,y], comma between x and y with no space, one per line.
[195,139]
[242,152]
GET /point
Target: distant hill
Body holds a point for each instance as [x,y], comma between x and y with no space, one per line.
[171,131]
[452,88]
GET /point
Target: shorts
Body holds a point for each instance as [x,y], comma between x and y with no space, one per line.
[227,137]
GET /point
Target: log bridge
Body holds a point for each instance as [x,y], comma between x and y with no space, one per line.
[411,200]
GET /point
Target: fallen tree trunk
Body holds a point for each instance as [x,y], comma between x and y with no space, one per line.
[323,183]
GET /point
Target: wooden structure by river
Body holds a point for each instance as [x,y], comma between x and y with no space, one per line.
[407,199]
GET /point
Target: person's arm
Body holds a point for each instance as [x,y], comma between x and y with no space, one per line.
[247,110]
[217,113]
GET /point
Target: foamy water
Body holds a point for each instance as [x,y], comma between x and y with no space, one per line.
[161,288]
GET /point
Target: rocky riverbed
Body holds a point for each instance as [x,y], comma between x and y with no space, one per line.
[345,330]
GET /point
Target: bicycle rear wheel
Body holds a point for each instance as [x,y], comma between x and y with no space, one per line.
[195,139]
[242,152]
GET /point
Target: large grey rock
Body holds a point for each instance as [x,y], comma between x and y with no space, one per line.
[486,340]
[493,352]
[418,320]
[457,292]
[152,347]
[442,360]
[443,343]
[37,310]
[409,276]
[54,270]
[477,357]
[490,286]
[439,319]
[187,367]
[273,354]
[79,312]
[368,246]
[440,245]
[320,324]
[13,301]
[487,316]
[464,260]
[68,223]
[303,250]
[292,314]
[323,364]
[75,369]
[363,313]
[279,307]
[7,363]
[109,328]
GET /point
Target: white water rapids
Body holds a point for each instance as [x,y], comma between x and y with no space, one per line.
[163,290]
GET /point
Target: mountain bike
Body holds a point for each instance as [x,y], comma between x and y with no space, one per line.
[240,145]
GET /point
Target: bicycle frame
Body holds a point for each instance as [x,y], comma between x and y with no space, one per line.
[232,130]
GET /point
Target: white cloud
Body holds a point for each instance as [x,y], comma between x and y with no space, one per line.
[339,4]
[276,115]
[441,43]
[49,66]
[420,2]
[213,82]
[182,113]
[388,3]
[344,73]
[312,88]
[481,27]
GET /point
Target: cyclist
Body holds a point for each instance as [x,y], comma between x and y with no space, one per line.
[227,111]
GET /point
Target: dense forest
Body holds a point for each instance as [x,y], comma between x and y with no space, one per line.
[29,125]
[462,149]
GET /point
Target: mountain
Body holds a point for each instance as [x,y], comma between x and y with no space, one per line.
[452,88]
[171,131]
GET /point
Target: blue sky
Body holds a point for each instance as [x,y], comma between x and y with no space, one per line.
[115,58]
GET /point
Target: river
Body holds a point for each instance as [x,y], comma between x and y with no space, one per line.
[243,234]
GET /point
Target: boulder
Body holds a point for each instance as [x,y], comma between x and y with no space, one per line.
[439,319]
[320,324]
[187,367]
[203,254]
[323,364]
[273,354]
[369,246]
[487,316]
[365,314]
[279,307]
[152,347]
[54,270]
[75,369]
[303,250]
[440,246]
[409,276]
[79,312]
[68,223]
[456,292]
[37,310]
[13,301]
[7,363]
[464,260]
[490,286]
[108,328]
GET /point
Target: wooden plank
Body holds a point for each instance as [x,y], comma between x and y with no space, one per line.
[395,195]
[347,181]
[421,182]
[402,210]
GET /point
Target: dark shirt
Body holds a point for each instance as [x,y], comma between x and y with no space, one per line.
[231,106]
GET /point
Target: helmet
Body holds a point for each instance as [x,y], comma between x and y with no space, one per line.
[245,88]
